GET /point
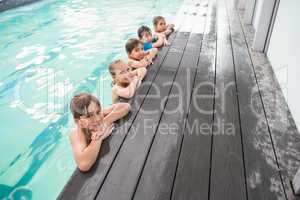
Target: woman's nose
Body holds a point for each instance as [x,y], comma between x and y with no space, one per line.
[99,118]
[93,119]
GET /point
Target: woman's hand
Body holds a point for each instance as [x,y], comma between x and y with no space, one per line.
[107,131]
[103,132]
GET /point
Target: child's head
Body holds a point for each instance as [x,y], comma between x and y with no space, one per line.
[86,110]
[145,34]
[134,49]
[120,72]
[159,24]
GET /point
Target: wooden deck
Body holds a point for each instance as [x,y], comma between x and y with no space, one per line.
[209,122]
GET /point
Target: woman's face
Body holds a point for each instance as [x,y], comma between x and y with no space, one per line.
[161,26]
[93,120]
[137,53]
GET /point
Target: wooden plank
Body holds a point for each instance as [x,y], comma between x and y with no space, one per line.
[280,121]
[85,185]
[227,168]
[157,178]
[192,176]
[123,175]
[296,182]
[156,181]
[263,178]
[249,11]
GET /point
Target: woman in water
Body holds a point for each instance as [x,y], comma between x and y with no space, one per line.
[94,124]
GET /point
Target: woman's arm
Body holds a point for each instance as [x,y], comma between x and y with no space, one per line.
[115,112]
[86,155]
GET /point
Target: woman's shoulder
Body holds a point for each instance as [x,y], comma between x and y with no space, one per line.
[76,136]
[73,134]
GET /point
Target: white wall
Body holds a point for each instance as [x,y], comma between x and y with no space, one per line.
[257,13]
[284,53]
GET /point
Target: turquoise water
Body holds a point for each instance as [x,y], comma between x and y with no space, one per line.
[49,51]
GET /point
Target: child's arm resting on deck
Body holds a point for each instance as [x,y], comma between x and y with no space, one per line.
[138,64]
[151,55]
[170,29]
[140,72]
[159,42]
[129,91]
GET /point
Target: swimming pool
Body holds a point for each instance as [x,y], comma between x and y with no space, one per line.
[50,50]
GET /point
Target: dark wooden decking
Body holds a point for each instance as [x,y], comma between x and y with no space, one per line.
[209,122]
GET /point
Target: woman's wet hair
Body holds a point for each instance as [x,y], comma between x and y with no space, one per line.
[80,103]
[131,44]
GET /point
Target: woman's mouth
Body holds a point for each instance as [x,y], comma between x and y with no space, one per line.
[94,127]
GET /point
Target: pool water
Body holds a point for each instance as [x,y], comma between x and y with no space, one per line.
[49,51]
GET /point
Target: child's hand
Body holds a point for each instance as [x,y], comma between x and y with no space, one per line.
[171,25]
[137,81]
[146,53]
[133,74]
[148,59]
[166,43]
[135,78]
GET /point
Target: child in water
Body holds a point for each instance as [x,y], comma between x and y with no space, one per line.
[161,27]
[145,36]
[137,57]
[125,80]
[94,125]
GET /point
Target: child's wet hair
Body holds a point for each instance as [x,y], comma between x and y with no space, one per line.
[142,30]
[156,19]
[80,103]
[131,44]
